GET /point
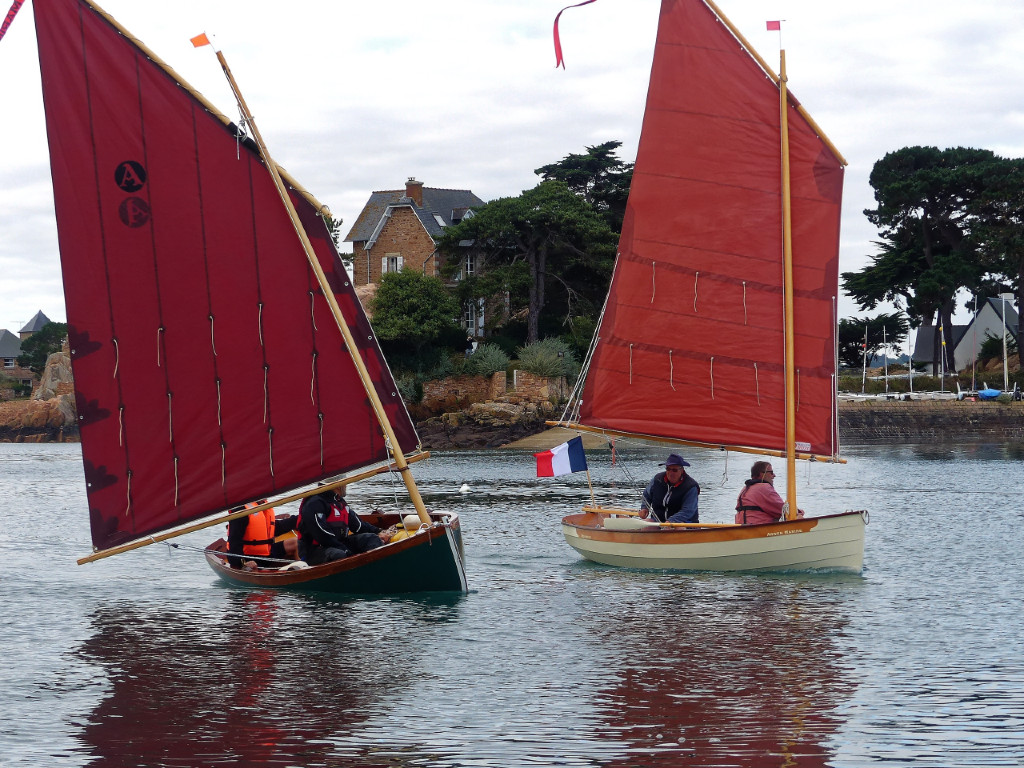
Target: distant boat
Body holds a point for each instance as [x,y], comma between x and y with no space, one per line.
[720,324]
[219,352]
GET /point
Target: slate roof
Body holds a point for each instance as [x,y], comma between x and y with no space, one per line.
[1012,318]
[10,345]
[926,337]
[450,204]
[36,323]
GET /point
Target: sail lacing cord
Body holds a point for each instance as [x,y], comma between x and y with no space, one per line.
[223,463]
[175,481]
[312,297]
[312,379]
[745,302]
[120,426]
[158,337]
[219,422]
[213,343]
[117,357]
[757,385]
[630,363]
[270,443]
[798,390]
[671,371]
[712,372]
[266,392]
[654,265]
[170,419]
[260,322]
[128,494]
[696,277]
[321,417]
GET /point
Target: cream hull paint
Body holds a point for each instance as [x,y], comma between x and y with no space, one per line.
[828,543]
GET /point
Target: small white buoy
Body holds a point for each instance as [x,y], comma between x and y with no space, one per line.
[464,488]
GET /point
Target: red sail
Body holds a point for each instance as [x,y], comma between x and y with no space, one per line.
[208,368]
[691,345]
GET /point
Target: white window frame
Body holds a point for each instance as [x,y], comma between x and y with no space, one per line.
[391,262]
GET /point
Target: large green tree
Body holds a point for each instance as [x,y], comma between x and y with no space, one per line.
[999,229]
[413,314]
[599,176]
[926,252]
[40,345]
[547,250]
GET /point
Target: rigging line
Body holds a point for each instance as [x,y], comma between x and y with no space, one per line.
[671,371]
[696,276]
[117,357]
[312,314]
[725,470]
[320,416]
[213,342]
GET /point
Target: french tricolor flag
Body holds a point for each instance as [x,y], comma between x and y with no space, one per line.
[562,459]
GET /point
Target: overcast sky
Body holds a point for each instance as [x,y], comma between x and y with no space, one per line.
[357,96]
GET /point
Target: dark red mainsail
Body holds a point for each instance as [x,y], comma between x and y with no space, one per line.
[691,345]
[208,368]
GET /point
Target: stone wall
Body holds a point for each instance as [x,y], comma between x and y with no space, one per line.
[50,415]
[923,420]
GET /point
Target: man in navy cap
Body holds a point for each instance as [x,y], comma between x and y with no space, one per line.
[671,496]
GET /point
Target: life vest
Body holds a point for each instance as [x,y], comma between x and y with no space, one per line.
[259,533]
[337,518]
[742,507]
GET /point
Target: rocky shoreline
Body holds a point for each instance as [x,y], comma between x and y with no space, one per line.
[500,423]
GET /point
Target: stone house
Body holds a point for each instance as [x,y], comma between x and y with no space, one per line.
[10,349]
[400,228]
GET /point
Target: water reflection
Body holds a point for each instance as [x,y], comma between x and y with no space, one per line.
[267,679]
[714,672]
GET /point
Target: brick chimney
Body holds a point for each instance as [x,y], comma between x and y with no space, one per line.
[414,191]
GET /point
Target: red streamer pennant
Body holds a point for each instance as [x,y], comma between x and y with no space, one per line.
[559,61]
[17,7]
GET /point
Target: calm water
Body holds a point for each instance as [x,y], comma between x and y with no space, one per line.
[146,660]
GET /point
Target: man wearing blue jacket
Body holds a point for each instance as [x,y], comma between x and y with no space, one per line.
[671,496]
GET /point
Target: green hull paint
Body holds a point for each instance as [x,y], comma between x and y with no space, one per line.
[420,564]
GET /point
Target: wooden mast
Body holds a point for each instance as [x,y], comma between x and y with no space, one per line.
[339,318]
[787,293]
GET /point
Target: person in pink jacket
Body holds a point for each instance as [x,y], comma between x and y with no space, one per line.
[759,502]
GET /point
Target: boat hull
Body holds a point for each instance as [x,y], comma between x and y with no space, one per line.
[430,561]
[827,543]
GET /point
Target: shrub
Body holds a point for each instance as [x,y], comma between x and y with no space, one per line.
[548,358]
[487,360]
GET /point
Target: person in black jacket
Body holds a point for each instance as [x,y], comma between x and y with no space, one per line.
[671,496]
[328,530]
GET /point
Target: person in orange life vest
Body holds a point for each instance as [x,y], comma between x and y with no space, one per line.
[759,502]
[253,537]
[329,530]
[671,496]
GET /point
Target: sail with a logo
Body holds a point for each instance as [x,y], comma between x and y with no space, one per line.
[207,306]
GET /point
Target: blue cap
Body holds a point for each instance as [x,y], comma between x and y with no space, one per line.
[674,459]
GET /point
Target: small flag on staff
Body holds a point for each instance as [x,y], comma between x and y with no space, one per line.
[774,26]
[562,459]
[200,40]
